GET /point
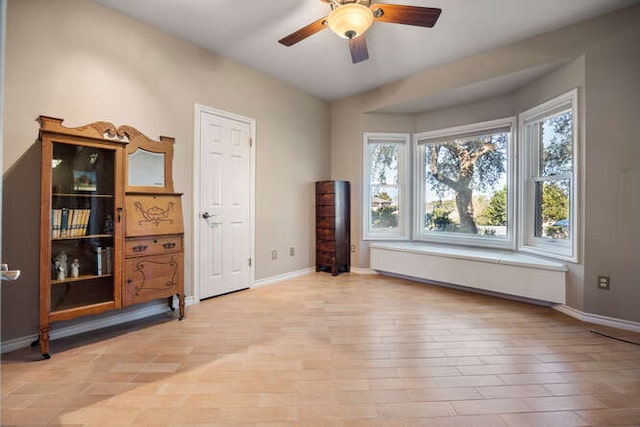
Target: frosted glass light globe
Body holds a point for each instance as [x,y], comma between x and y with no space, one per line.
[350,20]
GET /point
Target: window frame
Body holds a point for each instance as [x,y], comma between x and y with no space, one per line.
[404,186]
[529,145]
[418,182]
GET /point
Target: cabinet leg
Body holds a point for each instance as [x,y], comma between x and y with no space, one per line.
[181,306]
[44,341]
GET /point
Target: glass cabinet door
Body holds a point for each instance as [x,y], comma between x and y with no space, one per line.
[83,211]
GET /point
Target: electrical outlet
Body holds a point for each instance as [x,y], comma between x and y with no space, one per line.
[274,254]
[603,283]
[353,248]
[292,251]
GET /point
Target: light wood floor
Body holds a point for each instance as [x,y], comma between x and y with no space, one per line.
[354,350]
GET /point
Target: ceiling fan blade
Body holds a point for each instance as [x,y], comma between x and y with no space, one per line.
[409,15]
[304,32]
[358,48]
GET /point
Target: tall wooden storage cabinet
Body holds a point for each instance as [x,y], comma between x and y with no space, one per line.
[84,216]
[333,231]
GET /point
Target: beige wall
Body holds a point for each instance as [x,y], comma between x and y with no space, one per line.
[612,211]
[600,58]
[77,60]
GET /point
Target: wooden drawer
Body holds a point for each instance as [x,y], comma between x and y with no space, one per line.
[325,234]
[152,246]
[325,258]
[325,211]
[153,277]
[325,187]
[153,214]
[325,261]
[325,199]
[325,246]
[326,222]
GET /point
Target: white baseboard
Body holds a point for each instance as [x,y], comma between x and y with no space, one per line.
[116,318]
[292,274]
[281,277]
[597,319]
[358,270]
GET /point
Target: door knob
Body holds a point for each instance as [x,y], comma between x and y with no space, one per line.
[8,274]
[207,215]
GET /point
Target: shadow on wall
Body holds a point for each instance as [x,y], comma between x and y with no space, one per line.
[21,244]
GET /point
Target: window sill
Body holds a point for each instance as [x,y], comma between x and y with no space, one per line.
[549,252]
[474,254]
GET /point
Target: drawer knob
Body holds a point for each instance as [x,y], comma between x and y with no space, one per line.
[169,245]
[140,248]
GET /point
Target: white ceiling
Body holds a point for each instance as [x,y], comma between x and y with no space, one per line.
[248,31]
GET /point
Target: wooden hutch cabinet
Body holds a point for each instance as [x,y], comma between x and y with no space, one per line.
[333,232]
[86,223]
[154,232]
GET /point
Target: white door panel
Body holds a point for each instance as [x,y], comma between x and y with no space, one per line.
[225,188]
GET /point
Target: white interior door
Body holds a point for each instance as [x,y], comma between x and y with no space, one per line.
[224,225]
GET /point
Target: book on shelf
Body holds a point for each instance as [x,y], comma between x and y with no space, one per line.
[85,223]
[71,224]
[56,218]
[99,266]
[80,226]
[64,220]
[108,264]
[68,222]
[74,217]
[104,260]
[77,220]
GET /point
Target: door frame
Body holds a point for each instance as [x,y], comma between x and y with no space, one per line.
[199,108]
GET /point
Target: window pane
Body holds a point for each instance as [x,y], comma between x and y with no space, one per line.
[465,185]
[384,208]
[556,154]
[384,163]
[384,186]
[552,209]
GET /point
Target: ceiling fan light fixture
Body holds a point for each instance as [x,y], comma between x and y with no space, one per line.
[350,20]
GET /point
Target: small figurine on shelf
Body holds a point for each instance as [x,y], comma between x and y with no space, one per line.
[108,225]
[75,268]
[61,265]
[60,271]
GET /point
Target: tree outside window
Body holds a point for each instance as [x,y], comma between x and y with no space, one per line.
[464,182]
[460,168]
[555,166]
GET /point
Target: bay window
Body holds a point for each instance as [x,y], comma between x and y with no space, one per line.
[469,187]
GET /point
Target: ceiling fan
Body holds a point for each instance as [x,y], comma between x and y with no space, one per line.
[351,18]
